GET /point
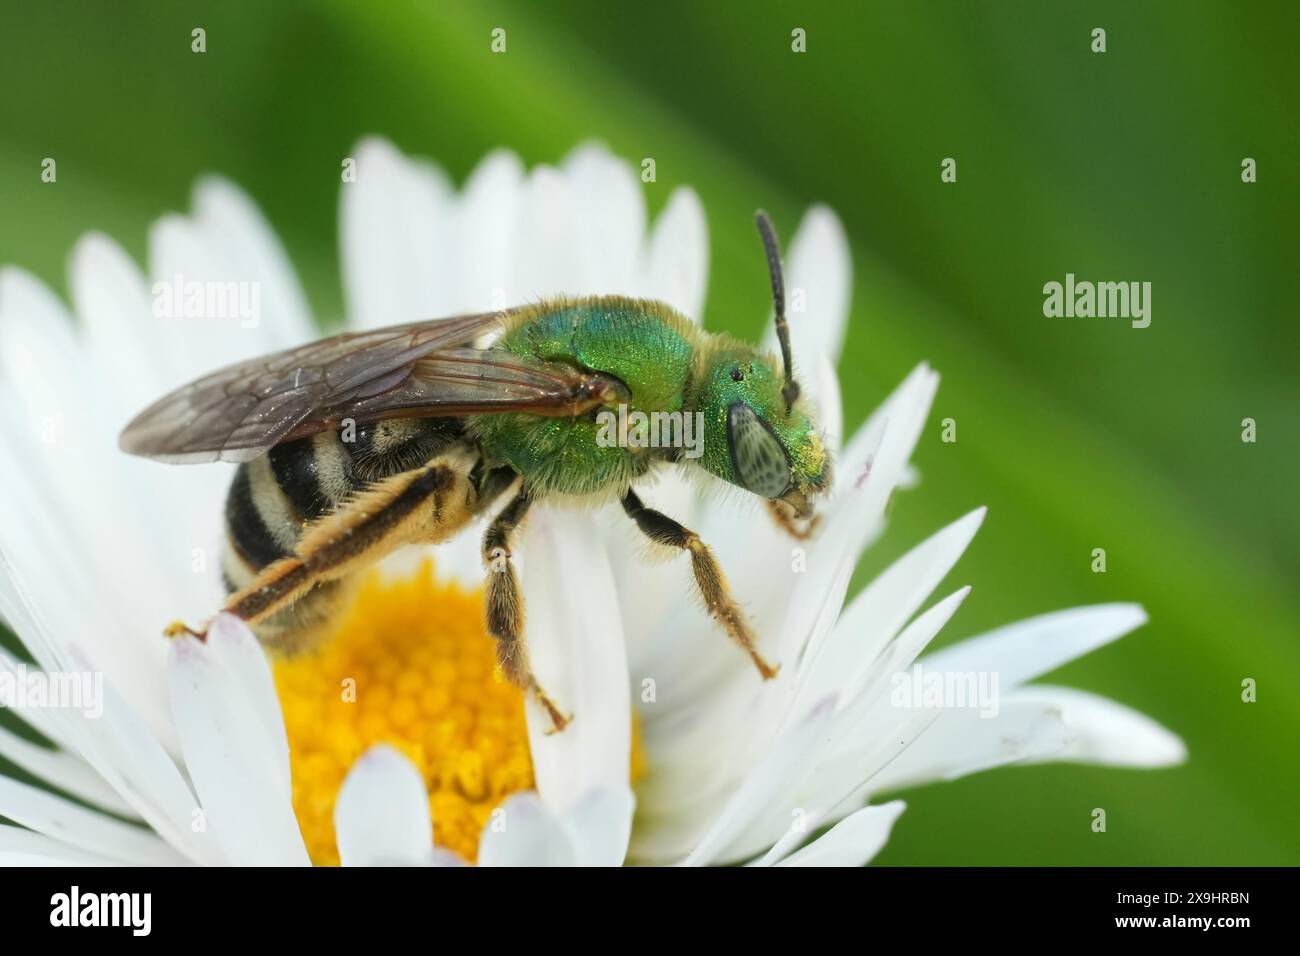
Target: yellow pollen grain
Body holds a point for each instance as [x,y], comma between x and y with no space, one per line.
[410,664]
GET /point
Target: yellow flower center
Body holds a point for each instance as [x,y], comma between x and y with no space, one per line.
[410,664]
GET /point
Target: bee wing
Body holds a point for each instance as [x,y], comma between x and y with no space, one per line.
[241,411]
[454,382]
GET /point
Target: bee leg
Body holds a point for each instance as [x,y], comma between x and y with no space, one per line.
[181,629]
[490,484]
[661,529]
[359,532]
[783,515]
[505,607]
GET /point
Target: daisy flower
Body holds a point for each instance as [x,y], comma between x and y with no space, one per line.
[396,742]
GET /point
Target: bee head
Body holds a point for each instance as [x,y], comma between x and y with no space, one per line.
[758,433]
[752,438]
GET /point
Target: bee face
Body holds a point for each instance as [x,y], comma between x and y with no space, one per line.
[751,439]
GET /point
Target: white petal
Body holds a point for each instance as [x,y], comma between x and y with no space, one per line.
[45,560]
[695,750]
[121,749]
[787,761]
[743,536]
[961,742]
[883,607]
[600,824]
[547,230]
[51,724]
[523,832]
[85,829]
[649,580]
[868,733]
[872,730]
[486,222]
[871,705]
[441,857]
[605,197]
[677,267]
[19,847]
[56,432]
[863,457]
[113,303]
[188,264]
[237,753]
[855,513]
[1105,732]
[252,252]
[62,770]
[1027,649]
[685,652]
[381,814]
[829,408]
[124,752]
[576,642]
[853,841]
[148,513]
[237,651]
[118,745]
[394,226]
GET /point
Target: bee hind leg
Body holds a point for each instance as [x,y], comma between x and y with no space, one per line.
[181,629]
[379,520]
[505,607]
[709,579]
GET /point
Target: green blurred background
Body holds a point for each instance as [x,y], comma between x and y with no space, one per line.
[1078,433]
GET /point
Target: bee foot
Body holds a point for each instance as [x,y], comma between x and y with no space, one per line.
[180,629]
[558,723]
[558,719]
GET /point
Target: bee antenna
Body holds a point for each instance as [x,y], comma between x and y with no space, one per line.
[790,390]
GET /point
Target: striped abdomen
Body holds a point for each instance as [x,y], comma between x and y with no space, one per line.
[275,497]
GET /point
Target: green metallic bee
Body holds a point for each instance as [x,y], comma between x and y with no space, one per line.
[353,446]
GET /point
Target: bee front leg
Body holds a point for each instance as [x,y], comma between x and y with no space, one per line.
[783,515]
[710,580]
[505,607]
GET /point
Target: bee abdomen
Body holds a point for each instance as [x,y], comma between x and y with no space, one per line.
[297,472]
[274,498]
[258,530]
[272,501]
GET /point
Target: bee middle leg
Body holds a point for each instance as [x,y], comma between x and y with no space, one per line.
[709,579]
[505,607]
[490,484]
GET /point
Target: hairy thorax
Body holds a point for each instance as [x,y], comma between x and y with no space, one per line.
[645,345]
